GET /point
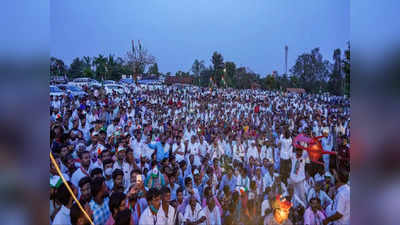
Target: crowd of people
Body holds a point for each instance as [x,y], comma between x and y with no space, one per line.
[190,155]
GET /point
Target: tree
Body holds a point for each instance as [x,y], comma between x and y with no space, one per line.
[346,70]
[153,69]
[76,68]
[311,70]
[205,76]
[336,80]
[87,62]
[218,66]
[197,67]
[230,74]
[100,63]
[138,59]
[57,67]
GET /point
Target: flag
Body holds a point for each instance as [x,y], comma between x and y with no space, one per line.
[133,46]
[140,45]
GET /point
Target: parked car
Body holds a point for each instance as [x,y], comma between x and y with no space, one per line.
[109,82]
[126,81]
[74,90]
[119,89]
[84,81]
[55,91]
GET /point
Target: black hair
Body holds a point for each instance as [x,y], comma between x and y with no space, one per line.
[182,163]
[188,180]
[96,171]
[137,171]
[180,189]
[62,193]
[164,190]
[343,175]
[152,193]
[153,163]
[117,172]
[97,184]
[102,153]
[107,161]
[115,201]
[84,180]
[123,217]
[315,198]
[75,213]
[81,153]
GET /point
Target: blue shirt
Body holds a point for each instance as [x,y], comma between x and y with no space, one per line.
[159,151]
[225,181]
[101,213]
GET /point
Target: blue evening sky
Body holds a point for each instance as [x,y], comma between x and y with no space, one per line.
[250,33]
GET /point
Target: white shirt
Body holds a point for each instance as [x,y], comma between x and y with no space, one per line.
[252,152]
[164,220]
[213,217]
[176,148]
[147,218]
[78,175]
[62,217]
[286,148]
[192,215]
[300,175]
[264,206]
[342,204]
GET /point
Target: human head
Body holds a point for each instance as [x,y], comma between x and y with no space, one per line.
[165,194]
[107,166]
[117,203]
[153,199]
[123,217]
[96,172]
[210,203]
[85,158]
[84,185]
[192,201]
[118,176]
[179,194]
[121,153]
[188,182]
[315,203]
[105,155]
[77,217]
[99,188]
[63,196]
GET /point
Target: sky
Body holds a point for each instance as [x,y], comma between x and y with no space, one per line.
[251,33]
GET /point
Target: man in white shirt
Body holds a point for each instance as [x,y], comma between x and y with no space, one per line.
[83,170]
[327,145]
[212,213]
[65,198]
[342,201]
[149,215]
[192,212]
[285,153]
[166,214]
[111,128]
[121,164]
[297,174]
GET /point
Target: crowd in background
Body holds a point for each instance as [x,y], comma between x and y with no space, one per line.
[190,155]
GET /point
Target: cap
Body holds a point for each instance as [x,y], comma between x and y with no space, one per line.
[121,148]
[195,172]
[100,148]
